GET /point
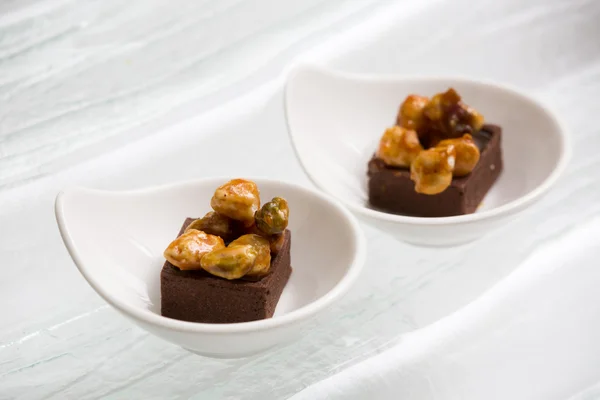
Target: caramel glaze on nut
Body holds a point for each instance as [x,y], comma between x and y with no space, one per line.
[232,262]
[467,154]
[248,255]
[447,117]
[432,170]
[216,224]
[236,205]
[262,262]
[276,242]
[237,199]
[443,126]
[273,216]
[410,115]
[187,250]
[399,146]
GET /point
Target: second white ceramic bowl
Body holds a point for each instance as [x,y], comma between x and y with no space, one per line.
[117,239]
[335,121]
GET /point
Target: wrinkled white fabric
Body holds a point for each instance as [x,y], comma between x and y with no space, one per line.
[533,336]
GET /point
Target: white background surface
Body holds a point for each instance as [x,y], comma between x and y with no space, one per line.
[119,95]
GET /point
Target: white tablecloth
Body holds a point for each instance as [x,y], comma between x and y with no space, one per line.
[528,337]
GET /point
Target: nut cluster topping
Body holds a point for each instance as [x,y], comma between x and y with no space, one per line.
[186,252]
[399,146]
[219,225]
[252,233]
[273,216]
[433,138]
[467,154]
[432,169]
[238,199]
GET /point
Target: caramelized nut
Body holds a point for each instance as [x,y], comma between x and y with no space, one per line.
[276,242]
[262,262]
[410,115]
[467,154]
[216,224]
[432,170]
[447,116]
[187,250]
[476,119]
[252,229]
[232,262]
[399,146]
[436,109]
[238,199]
[273,216]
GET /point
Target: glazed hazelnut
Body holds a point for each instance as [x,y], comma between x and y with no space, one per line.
[436,109]
[237,199]
[232,262]
[410,115]
[273,216]
[216,224]
[467,154]
[399,146]
[448,117]
[432,170]
[475,119]
[187,250]
[262,262]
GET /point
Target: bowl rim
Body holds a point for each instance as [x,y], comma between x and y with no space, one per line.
[525,200]
[146,316]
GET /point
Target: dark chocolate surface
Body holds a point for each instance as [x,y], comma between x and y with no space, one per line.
[198,296]
[392,190]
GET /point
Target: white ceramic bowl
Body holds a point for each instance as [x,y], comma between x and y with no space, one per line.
[335,121]
[117,238]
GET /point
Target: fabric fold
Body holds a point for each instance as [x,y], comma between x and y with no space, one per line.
[532,336]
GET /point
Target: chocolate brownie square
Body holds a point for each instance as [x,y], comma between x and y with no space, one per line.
[198,296]
[392,190]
